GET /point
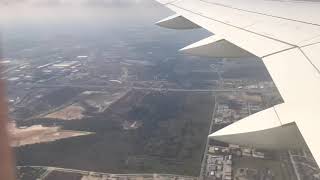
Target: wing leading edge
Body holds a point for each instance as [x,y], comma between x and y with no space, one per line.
[286,36]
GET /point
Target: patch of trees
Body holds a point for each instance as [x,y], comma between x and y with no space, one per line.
[173,132]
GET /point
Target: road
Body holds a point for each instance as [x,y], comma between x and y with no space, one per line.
[200,90]
[51,169]
[45,174]
[204,159]
[150,88]
[295,168]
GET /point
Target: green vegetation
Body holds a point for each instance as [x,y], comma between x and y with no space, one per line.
[261,165]
[29,173]
[51,100]
[56,175]
[170,137]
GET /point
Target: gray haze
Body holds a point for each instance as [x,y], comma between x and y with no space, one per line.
[74,2]
[17,11]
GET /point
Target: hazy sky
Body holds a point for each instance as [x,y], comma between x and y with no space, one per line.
[53,3]
[47,10]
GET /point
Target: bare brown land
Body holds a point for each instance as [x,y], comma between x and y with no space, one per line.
[72,112]
[39,134]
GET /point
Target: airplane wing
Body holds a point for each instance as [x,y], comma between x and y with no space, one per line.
[286,36]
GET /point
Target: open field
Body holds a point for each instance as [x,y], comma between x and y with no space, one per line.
[39,134]
[261,167]
[72,112]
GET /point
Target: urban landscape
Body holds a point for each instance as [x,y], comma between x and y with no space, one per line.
[120,103]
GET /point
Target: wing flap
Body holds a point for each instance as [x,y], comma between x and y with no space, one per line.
[296,78]
[299,11]
[240,37]
[261,130]
[281,29]
[215,46]
[177,22]
[298,81]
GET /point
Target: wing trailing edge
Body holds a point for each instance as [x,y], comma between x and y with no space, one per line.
[262,130]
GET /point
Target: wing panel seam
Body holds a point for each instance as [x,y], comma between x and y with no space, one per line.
[171,2]
[254,12]
[234,26]
[303,53]
[309,60]
[275,111]
[311,44]
[279,52]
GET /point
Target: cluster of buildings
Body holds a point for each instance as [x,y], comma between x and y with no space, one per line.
[248,84]
[231,108]
[226,115]
[236,151]
[304,164]
[61,66]
[25,73]
[219,167]
[219,160]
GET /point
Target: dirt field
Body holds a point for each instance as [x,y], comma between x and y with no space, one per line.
[72,112]
[39,134]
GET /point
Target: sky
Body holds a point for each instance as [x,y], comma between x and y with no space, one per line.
[53,3]
[13,11]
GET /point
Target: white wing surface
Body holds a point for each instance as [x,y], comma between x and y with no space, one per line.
[286,36]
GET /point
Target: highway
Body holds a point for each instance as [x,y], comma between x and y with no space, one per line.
[204,159]
[51,169]
[199,90]
[148,88]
